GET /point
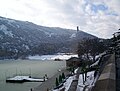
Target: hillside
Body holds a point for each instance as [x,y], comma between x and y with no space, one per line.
[22,38]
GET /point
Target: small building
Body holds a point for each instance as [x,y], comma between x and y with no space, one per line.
[73,62]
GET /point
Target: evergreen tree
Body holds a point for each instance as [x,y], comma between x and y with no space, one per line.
[63,75]
[60,79]
[57,83]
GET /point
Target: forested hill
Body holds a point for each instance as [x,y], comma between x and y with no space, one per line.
[22,38]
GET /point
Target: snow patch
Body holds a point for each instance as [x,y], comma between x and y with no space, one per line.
[26,46]
[49,34]
[97,57]
[6,32]
[75,71]
[3,27]
[6,43]
[1,37]
[67,84]
[19,78]
[94,64]
[1,18]
[18,26]
[52,57]
[16,50]
[11,21]
[21,38]
[73,35]
[90,79]
[89,82]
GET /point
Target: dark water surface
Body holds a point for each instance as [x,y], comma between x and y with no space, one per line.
[37,68]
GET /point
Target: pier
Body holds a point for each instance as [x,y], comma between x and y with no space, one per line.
[22,79]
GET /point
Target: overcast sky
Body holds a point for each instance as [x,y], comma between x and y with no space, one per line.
[98,17]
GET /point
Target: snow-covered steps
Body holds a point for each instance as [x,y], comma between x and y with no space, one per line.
[21,79]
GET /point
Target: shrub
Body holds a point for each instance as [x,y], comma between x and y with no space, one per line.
[60,79]
[57,83]
[63,76]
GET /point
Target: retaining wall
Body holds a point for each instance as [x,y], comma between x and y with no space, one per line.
[107,79]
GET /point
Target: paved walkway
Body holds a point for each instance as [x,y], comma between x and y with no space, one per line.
[74,84]
[50,83]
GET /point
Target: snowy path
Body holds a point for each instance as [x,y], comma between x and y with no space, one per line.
[88,83]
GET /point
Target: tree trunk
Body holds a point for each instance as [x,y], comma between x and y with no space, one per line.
[83,77]
[93,58]
[88,57]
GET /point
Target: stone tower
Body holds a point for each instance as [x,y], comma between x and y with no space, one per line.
[77,28]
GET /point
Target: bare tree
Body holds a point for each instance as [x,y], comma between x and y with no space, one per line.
[88,49]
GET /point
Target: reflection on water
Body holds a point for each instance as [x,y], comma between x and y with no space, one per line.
[25,67]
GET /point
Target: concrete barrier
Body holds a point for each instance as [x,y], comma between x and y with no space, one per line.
[107,79]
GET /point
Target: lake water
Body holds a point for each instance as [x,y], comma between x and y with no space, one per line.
[36,68]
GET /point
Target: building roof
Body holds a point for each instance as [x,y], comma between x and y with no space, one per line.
[73,59]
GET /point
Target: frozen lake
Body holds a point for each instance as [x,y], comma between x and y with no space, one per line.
[36,68]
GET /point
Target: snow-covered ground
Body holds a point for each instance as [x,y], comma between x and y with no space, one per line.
[66,84]
[98,59]
[94,64]
[75,71]
[19,78]
[88,83]
[53,57]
